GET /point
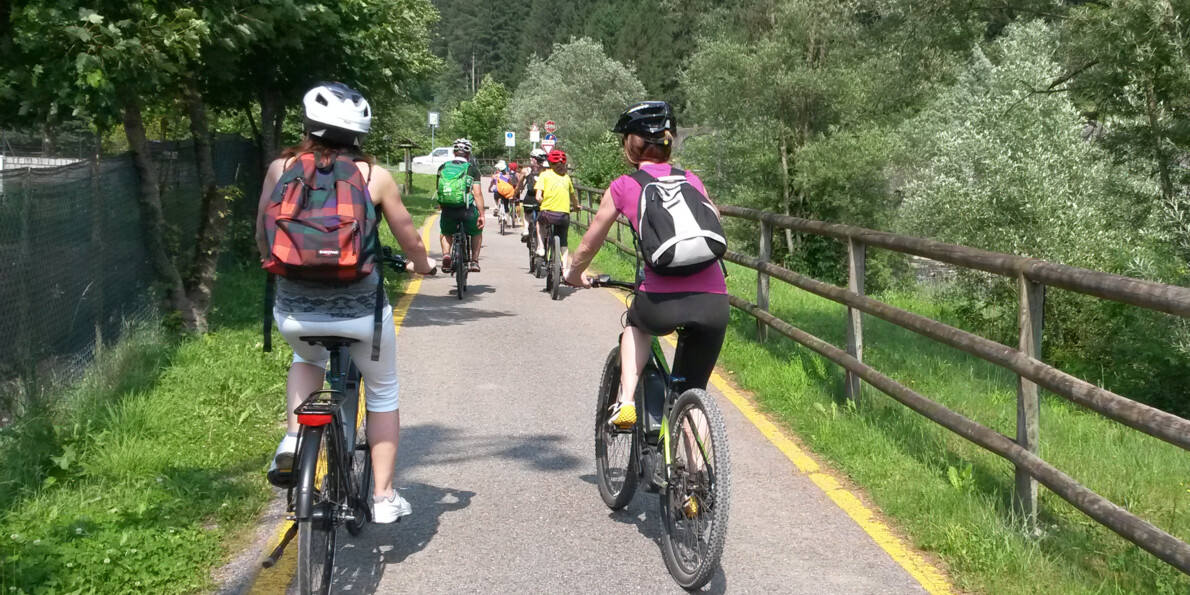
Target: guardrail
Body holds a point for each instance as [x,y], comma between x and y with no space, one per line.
[1032,277]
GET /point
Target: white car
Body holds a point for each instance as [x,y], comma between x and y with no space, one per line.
[435,158]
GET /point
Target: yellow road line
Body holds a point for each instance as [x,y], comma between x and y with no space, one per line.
[277,578]
[930,578]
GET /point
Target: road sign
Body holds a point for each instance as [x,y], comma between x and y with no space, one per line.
[534,134]
[548,142]
[551,127]
[434,119]
[510,139]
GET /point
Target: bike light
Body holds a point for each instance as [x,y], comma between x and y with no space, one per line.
[314,419]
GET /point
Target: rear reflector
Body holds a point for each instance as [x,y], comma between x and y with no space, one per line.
[314,419]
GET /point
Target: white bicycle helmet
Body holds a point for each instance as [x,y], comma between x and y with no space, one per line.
[537,154]
[337,113]
[501,165]
[463,146]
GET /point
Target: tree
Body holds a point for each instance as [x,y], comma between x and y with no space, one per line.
[578,87]
[481,119]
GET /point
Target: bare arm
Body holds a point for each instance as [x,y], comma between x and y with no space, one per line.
[478,202]
[384,188]
[276,168]
[593,240]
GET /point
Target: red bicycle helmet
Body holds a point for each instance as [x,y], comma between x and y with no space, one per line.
[512,166]
[556,156]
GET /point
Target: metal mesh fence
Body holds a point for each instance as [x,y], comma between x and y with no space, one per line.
[74,271]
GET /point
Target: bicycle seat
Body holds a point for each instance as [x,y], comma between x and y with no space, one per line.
[331,343]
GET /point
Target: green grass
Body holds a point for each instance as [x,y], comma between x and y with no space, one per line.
[153,468]
[952,498]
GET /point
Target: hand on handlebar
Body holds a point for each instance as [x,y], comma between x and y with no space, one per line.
[429,268]
[575,278]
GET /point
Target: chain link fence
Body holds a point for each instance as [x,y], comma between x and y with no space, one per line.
[74,272]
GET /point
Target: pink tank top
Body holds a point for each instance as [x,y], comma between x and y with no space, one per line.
[626,195]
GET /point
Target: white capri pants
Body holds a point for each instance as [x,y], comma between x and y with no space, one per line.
[380,377]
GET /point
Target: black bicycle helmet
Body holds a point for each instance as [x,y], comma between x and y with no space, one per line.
[650,119]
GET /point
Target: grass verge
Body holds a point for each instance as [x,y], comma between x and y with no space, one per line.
[950,497]
[154,464]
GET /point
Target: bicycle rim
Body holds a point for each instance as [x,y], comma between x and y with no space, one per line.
[696,500]
[460,269]
[615,452]
[317,540]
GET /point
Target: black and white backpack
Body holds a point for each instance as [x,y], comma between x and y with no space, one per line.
[680,232]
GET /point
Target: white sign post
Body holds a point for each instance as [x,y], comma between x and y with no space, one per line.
[549,142]
[534,134]
[510,139]
[433,118]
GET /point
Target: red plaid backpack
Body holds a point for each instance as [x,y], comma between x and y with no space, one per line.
[321,225]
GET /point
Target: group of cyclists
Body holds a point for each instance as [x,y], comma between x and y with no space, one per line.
[337,120]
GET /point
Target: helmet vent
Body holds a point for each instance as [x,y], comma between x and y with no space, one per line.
[321,100]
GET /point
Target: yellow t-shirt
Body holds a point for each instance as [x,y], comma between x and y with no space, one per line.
[555,191]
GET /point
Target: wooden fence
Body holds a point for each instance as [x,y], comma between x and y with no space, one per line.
[1032,277]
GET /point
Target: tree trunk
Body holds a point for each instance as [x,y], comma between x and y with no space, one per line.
[786,199]
[214,215]
[152,216]
[1167,191]
[272,114]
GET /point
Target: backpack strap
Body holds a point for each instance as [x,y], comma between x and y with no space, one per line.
[642,177]
[378,313]
[270,295]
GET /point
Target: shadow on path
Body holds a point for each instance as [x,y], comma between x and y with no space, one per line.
[360,570]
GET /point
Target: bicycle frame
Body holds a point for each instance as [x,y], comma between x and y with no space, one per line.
[344,419]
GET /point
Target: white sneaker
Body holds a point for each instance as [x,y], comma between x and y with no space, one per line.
[390,509]
[541,251]
[281,469]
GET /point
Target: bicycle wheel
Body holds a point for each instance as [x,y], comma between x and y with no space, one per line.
[316,535]
[556,268]
[616,468]
[502,216]
[460,265]
[697,498]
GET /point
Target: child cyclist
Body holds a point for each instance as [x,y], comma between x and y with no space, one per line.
[526,190]
[694,303]
[557,198]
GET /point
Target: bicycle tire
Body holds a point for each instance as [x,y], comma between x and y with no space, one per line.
[709,489]
[556,268]
[460,265]
[317,539]
[501,221]
[615,492]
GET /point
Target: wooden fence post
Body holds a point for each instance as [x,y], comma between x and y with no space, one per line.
[762,279]
[1032,316]
[856,266]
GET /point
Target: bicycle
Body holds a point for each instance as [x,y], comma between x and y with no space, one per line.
[460,253]
[553,262]
[331,481]
[678,448]
[532,243]
[507,215]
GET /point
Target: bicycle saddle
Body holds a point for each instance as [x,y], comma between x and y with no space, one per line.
[329,342]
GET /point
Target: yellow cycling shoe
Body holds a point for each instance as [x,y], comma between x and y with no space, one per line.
[623,415]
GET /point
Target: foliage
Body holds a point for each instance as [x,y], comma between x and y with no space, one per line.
[600,162]
[481,119]
[579,87]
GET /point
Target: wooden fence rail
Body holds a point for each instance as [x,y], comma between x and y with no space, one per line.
[1033,277]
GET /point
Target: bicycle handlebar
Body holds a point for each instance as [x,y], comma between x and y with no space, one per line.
[398,262]
[607,281]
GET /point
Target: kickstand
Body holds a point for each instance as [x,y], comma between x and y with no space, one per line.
[271,561]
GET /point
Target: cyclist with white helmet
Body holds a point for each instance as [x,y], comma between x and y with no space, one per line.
[503,188]
[337,118]
[469,215]
[525,189]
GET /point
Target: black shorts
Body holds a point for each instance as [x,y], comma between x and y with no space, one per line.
[560,223]
[701,321]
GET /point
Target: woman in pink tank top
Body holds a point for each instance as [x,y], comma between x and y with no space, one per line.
[695,305]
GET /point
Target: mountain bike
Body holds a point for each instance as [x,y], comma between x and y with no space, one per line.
[460,253]
[330,484]
[553,261]
[502,214]
[677,448]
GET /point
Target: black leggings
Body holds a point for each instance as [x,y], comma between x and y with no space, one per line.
[701,321]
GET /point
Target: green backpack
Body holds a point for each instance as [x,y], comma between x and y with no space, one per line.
[454,185]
